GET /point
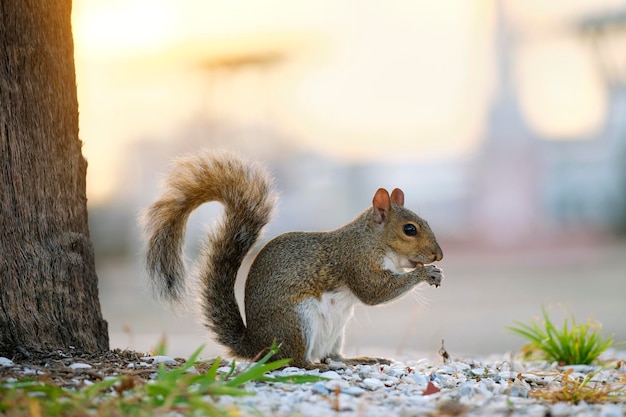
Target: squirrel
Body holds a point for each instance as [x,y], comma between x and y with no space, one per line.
[302,286]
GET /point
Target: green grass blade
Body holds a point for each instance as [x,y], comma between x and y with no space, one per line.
[211,373]
[233,368]
[99,387]
[294,379]
[256,371]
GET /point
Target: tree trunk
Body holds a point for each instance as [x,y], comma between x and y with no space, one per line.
[48,283]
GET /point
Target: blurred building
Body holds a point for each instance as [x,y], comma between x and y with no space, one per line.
[526,186]
[585,178]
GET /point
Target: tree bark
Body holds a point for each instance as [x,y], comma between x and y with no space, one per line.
[48,283]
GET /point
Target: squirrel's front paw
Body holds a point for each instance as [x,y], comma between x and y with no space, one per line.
[434,275]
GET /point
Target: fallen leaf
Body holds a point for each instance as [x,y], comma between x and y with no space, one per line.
[430,389]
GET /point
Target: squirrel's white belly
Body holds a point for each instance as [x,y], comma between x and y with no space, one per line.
[323,321]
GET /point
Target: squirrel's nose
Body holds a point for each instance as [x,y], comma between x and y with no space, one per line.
[438,255]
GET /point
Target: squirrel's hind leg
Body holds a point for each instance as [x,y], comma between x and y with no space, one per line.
[359,360]
[336,356]
[365,360]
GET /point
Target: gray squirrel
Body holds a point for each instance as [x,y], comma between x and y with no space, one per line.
[302,286]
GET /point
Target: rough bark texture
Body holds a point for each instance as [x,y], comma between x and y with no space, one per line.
[48,283]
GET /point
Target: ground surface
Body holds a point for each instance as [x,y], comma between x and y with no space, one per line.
[495,386]
[71,369]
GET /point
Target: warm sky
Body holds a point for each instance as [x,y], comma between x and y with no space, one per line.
[358,79]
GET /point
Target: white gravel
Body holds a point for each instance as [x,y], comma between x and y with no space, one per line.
[495,386]
[492,387]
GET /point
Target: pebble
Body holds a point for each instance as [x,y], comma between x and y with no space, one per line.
[5,361]
[320,388]
[418,379]
[330,375]
[560,409]
[354,391]
[29,371]
[226,369]
[337,384]
[372,384]
[79,365]
[611,410]
[167,360]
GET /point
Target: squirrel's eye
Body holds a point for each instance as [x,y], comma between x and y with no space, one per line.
[410,229]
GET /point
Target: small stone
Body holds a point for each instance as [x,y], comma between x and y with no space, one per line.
[461,367]
[445,370]
[335,384]
[346,402]
[6,361]
[320,388]
[79,365]
[611,410]
[484,388]
[353,391]
[560,409]
[508,375]
[466,388]
[391,381]
[330,375]
[397,372]
[372,384]
[365,371]
[519,388]
[419,379]
[160,359]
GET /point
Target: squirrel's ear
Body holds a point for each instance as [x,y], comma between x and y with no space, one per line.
[397,197]
[381,204]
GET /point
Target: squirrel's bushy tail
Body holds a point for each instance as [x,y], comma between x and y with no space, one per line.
[245,190]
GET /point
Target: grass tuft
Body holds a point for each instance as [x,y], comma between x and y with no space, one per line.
[575,390]
[570,344]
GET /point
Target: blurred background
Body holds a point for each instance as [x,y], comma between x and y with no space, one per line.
[503,121]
